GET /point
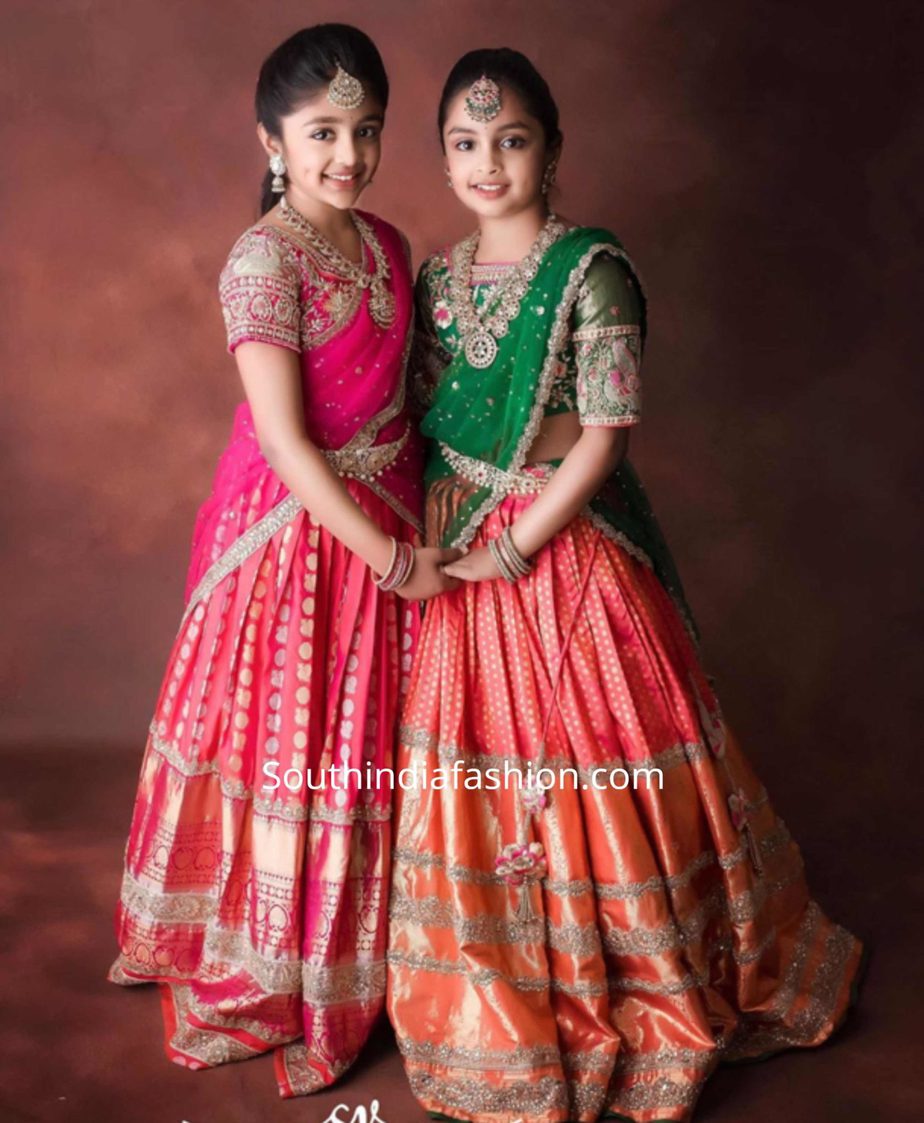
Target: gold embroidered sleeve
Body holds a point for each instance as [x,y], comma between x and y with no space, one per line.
[607,344]
[428,357]
[259,289]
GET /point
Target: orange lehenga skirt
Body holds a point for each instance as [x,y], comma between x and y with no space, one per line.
[673,927]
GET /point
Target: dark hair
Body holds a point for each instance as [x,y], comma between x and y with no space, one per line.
[305,63]
[508,68]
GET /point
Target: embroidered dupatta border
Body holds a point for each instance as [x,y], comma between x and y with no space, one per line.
[263,530]
[241,549]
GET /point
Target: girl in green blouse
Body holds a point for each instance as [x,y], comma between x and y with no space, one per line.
[593,900]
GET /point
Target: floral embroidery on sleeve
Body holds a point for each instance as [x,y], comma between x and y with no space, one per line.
[436,281]
[609,390]
[259,291]
[607,340]
[428,355]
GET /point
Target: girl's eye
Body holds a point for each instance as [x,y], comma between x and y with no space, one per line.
[367,132]
[512,142]
[322,134]
[463,146]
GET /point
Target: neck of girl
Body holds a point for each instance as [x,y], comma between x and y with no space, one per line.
[334,223]
[510,237]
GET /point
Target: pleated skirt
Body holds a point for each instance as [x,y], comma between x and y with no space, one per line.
[671,926]
[255,884]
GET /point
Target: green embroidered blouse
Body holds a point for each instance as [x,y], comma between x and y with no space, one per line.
[598,367]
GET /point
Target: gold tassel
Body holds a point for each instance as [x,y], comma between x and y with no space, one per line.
[525,906]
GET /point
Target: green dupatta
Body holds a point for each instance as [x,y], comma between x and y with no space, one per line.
[481,423]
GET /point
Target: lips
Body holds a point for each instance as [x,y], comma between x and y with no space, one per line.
[342,181]
[489,190]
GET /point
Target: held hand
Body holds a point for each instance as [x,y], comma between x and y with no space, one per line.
[477,565]
[428,579]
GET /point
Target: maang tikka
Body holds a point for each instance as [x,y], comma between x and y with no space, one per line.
[483,100]
[345,91]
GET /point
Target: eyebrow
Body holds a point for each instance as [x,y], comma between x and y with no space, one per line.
[503,128]
[339,120]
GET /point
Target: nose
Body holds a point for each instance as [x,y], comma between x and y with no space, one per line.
[489,162]
[346,150]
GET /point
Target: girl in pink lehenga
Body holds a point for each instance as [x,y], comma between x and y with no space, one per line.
[259,909]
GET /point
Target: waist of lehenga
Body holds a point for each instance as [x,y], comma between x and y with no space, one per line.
[364,461]
[446,496]
[358,458]
[529,480]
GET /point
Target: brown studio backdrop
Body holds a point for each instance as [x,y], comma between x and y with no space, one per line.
[757,161]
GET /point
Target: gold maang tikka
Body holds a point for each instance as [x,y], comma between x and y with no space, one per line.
[345,91]
[483,100]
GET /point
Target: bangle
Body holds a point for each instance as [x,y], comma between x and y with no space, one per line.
[522,565]
[391,563]
[501,562]
[507,557]
[408,557]
[399,569]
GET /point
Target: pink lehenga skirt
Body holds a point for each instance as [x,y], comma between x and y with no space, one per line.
[262,914]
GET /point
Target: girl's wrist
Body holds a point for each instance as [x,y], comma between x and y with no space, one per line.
[521,542]
[508,560]
[400,566]
[382,557]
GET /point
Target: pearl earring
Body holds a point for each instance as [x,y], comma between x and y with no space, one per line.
[277,166]
[548,177]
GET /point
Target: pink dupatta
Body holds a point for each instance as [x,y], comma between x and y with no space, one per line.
[353,386]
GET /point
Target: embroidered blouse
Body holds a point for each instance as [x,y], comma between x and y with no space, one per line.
[352,341]
[598,368]
[274,288]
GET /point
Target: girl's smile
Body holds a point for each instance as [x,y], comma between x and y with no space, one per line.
[343,181]
[331,154]
[490,190]
[496,167]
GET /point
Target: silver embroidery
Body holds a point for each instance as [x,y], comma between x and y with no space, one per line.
[422,740]
[606,332]
[241,549]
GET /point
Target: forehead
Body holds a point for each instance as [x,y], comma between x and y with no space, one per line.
[512,112]
[317,108]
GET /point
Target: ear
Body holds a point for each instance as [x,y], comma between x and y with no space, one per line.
[270,144]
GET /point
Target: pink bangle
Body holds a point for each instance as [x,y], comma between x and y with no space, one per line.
[399,569]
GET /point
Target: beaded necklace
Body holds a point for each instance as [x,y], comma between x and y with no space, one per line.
[480,330]
[381,301]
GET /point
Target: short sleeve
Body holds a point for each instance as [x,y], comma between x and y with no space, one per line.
[428,357]
[259,291]
[607,339]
